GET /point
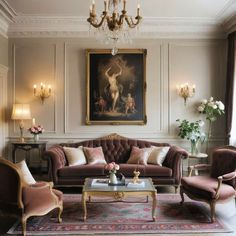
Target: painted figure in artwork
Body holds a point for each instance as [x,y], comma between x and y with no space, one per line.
[130,104]
[113,86]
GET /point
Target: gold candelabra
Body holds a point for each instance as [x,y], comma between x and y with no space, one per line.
[43,92]
[186,91]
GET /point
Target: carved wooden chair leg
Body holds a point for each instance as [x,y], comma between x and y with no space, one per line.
[212,205]
[23,222]
[182,195]
[59,214]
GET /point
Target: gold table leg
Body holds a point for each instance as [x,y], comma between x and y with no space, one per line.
[84,196]
[154,204]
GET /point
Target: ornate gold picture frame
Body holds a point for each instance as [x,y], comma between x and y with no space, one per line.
[116,87]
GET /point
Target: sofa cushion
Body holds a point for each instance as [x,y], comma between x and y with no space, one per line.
[75,156]
[156,170]
[157,155]
[139,155]
[82,170]
[94,155]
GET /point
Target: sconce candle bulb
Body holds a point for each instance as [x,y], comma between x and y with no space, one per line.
[43,92]
[186,91]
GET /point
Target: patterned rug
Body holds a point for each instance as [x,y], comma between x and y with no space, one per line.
[125,218]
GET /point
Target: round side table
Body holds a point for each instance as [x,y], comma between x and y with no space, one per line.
[200,156]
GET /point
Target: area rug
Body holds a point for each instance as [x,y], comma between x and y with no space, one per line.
[125,218]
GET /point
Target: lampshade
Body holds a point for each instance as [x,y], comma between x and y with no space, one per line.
[21,112]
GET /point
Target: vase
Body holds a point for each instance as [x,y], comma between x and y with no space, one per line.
[194,147]
[36,137]
[113,178]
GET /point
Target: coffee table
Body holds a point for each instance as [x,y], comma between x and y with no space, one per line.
[119,193]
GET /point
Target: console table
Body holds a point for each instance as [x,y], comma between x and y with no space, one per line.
[27,146]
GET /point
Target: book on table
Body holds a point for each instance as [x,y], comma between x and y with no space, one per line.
[139,184]
[100,182]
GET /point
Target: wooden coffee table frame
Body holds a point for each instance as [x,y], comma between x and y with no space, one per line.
[119,196]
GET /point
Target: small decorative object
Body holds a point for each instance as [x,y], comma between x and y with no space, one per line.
[192,131]
[43,92]
[136,175]
[211,109]
[186,91]
[112,168]
[36,130]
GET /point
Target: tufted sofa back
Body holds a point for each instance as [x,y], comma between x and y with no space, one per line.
[117,150]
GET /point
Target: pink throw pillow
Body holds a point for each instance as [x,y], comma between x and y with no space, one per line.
[94,155]
[139,155]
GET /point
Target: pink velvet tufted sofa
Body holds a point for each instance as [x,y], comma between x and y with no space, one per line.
[115,148]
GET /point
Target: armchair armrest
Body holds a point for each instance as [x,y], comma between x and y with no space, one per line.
[173,160]
[198,167]
[42,184]
[222,178]
[229,176]
[56,160]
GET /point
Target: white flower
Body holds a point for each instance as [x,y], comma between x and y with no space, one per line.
[221,106]
[211,99]
[201,123]
[200,108]
[211,104]
[214,106]
[204,101]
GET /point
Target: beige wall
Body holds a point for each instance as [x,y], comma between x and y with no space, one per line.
[62,63]
[3,50]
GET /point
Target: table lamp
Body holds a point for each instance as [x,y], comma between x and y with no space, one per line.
[21,112]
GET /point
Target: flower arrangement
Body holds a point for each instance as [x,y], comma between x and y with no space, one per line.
[112,167]
[211,108]
[191,130]
[36,129]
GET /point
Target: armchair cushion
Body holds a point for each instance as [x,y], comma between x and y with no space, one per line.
[26,176]
[205,187]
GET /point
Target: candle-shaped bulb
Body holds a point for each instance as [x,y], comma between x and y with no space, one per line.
[138,9]
[93,6]
[49,89]
[33,121]
[35,87]
[41,85]
[90,9]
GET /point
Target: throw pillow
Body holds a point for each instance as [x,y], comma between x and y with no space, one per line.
[139,155]
[94,155]
[75,156]
[158,155]
[26,176]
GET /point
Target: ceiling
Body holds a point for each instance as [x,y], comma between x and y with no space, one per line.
[162,18]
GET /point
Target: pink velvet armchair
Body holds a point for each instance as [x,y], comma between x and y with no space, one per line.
[220,186]
[24,201]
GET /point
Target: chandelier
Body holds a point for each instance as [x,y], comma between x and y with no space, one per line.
[112,26]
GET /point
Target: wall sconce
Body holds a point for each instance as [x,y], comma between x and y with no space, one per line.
[21,112]
[43,92]
[186,91]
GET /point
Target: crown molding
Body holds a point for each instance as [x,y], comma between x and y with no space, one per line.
[38,26]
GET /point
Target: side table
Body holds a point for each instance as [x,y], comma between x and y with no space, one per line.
[200,156]
[27,146]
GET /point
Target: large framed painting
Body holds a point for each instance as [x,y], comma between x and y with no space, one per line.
[116,87]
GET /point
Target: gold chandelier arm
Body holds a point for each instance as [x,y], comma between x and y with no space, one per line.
[130,21]
[93,17]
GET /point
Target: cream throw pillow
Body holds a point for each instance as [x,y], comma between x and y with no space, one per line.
[75,156]
[158,155]
[139,155]
[26,176]
[94,155]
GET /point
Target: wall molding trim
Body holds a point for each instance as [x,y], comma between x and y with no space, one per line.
[3,105]
[177,27]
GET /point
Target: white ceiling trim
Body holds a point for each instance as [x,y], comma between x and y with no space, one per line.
[38,26]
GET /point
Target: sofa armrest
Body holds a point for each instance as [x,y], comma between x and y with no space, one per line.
[56,160]
[174,160]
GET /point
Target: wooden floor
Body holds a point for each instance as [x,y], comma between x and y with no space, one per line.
[226,212]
